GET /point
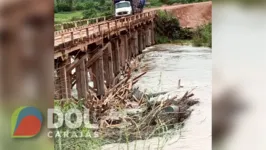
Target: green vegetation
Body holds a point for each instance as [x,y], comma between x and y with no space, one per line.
[88,141]
[67,16]
[203,36]
[168,30]
[69,10]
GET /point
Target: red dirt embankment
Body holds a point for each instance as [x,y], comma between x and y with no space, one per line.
[194,15]
[191,15]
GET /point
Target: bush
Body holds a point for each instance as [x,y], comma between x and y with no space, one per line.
[89,5]
[168,30]
[203,36]
[167,25]
[91,13]
[186,34]
[79,6]
[63,7]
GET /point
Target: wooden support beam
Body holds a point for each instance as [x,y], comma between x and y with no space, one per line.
[130,48]
[81,80]
[100,77]
[96,63]
[136,45]
[122,51]
[140,41]
[126,48]
[149,37]
[116,57]
[143,40]
[108,66]
[111,67]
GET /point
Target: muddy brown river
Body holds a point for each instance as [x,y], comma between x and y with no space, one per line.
[166,65]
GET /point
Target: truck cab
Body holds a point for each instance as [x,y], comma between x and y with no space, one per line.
[123,8]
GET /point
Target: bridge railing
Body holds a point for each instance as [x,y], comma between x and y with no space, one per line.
[100,28]
[72,24]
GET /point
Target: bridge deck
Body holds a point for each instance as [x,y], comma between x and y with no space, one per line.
[76,38]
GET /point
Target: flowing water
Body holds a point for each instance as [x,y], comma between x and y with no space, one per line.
[166,65]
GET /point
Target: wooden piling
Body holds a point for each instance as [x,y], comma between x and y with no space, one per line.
[108,65]
[122,51]
[116,57]
[82,80]
[140,42]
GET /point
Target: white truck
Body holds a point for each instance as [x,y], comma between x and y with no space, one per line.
[128,7]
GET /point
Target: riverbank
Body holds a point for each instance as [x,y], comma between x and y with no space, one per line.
[168,30]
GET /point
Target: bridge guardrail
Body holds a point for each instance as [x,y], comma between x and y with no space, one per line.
[71,24]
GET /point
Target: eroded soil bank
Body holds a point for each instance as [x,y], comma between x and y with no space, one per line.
[176,69]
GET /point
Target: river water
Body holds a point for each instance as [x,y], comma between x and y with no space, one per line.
[193,66]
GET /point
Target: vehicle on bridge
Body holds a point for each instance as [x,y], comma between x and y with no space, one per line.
[128,7]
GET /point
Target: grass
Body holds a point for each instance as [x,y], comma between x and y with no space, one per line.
[203,36]
[67,16]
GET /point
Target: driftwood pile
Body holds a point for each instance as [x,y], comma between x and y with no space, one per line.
[126,113]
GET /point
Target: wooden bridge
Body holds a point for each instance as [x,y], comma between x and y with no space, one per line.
[91,57]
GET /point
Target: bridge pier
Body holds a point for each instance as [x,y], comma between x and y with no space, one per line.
[140,41]
[143,32]
[108,65]
[136,43]
[82,78]
[116,56]
[149,37]
[99,74]
[127,52]
[122,51]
